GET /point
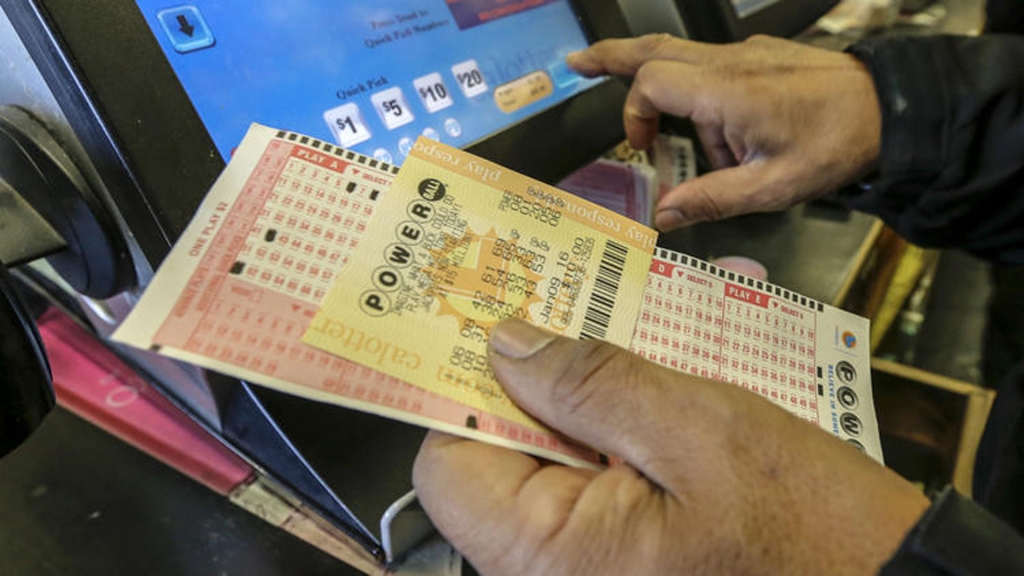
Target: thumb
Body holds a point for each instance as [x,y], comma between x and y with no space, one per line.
[598,393]
[749,187]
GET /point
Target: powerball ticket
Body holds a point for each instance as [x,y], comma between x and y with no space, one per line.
[461,243]
[807,357]
[244,280]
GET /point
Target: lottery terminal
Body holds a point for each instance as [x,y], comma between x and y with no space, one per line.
[127,112]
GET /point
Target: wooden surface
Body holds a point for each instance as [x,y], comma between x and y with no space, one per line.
[978,403]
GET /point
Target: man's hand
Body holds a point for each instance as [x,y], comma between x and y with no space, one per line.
[785,122]
[716,481]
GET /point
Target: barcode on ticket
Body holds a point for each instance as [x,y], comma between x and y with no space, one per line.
[606,287]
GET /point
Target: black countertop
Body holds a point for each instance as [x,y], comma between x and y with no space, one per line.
[77,501]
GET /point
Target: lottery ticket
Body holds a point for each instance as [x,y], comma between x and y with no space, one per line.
[241,285]
[459,244]
[803,355]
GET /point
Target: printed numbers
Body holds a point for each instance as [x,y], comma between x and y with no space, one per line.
[433,92]
[392,107]
[469,78]
[695,328]
[347,125]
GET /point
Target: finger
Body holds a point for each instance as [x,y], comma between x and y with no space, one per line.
[743,189]
[675,88]
[599,394]
[623,57]
[482,497]
[716,147]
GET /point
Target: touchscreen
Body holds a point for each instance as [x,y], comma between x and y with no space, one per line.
[370,75]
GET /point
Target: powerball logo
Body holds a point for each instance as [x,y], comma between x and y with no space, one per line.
[849,339]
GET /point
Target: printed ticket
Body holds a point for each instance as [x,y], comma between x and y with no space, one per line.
[459,244]
[241,285]
[805,356]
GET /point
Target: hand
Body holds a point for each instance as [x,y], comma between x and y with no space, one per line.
[716,481]
[785,122]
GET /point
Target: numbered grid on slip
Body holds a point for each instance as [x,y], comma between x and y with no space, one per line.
[246,336]
[310,223]
[283,240]
[697,329]
[261,330]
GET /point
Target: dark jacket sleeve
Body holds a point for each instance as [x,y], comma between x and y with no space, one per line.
[951,174]
[951,171]
[957,537]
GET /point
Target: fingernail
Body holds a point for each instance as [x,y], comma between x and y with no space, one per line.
[573,59]
[632,112]
[519,340]
[669,219]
